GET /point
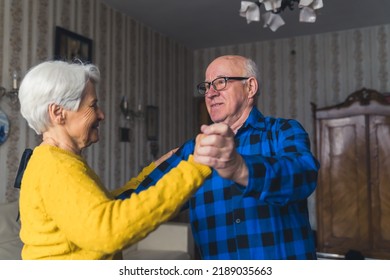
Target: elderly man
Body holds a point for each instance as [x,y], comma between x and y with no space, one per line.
[254,205]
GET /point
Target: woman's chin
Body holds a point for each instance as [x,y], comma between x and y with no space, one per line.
[94,137]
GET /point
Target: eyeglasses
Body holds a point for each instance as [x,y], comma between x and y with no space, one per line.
[218,84]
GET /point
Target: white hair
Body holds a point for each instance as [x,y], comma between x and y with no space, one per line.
[57,82]
[251,68]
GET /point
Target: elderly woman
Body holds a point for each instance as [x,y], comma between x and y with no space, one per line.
[66,212]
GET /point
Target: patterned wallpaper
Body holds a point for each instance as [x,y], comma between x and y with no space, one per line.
[323,69]
[134,61]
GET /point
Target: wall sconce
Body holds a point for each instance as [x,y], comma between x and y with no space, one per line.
[13,93]
[128,113]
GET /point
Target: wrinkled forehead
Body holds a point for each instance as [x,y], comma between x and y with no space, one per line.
[225,66]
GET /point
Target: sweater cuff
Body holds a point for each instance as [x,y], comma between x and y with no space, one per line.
[203,169]
[148,169]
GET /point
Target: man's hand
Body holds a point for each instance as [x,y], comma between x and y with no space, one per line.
[215,147]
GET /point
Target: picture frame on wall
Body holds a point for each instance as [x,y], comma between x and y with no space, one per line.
[70,46]
[151,123]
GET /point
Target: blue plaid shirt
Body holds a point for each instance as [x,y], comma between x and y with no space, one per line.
[268,218]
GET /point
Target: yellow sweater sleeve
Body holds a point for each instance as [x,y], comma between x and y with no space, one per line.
[134,182]
[66,213]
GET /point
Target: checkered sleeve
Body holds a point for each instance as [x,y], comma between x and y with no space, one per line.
[181,154]
[287,174]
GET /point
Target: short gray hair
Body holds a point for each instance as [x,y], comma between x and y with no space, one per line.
[252,70]
[57,82]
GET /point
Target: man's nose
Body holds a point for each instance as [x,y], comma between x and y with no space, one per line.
[212,92]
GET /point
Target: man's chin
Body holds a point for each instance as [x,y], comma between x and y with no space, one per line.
[216,118]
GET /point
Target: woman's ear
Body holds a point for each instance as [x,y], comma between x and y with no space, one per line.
[56,114]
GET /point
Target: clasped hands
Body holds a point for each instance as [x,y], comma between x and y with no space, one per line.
[215,147]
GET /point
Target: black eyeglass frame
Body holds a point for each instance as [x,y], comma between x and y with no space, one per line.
[201,92]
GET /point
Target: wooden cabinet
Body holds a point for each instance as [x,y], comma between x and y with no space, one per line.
[353,194]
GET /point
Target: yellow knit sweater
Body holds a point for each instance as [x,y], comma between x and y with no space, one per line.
[66,213]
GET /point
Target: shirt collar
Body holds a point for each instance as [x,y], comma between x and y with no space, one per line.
[255,120]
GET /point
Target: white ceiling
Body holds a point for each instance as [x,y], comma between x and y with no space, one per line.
[211,23]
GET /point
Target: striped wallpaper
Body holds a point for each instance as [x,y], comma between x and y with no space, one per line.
[147,67]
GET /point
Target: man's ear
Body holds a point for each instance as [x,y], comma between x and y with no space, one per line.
[253,86]
[56,114]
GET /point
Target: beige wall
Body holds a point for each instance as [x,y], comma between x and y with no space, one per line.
[135,61]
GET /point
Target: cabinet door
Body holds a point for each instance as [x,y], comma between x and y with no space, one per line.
[342,193]
[380,184]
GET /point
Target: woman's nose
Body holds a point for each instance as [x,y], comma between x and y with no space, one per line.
[101,115]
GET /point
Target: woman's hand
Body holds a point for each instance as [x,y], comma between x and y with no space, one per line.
[164,157]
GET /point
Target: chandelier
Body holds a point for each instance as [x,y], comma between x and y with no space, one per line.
[272,19]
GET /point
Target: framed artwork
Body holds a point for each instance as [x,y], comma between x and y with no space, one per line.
[70,46]
[151,122]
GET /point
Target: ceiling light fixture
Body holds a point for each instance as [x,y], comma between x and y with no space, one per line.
[272,19]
